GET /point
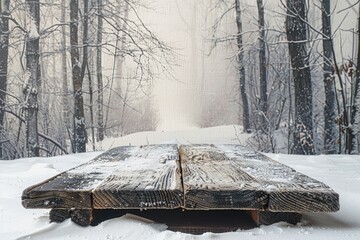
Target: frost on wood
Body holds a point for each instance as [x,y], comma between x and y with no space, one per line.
[232,176]
[195,177]
[124,177]
[320,166]
[143,180]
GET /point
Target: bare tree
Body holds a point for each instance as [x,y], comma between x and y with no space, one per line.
[4,52]
[91,59]
[330,103]
[262,64]
[65,101]
[355,111]
[47,100]
[240,58]
[296,30]
[79,137]
[100,98]
[133,44]
[31,88]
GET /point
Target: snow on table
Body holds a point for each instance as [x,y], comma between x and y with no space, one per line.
[287,189]
[124,177]
[193,177]
[235,177]
[72,189]
[149,178]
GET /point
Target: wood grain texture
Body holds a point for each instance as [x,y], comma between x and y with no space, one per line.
[289,191]
[59,215]
[72,189]
[212,182]
[209,177]
[82,217]
[149,179]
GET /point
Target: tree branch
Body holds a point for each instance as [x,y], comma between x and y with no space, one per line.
[53,141]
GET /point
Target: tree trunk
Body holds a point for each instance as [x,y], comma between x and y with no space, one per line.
[65,100]
[4,52]
[355,111]
[89,57]
[77,79]
[240,57]
[100,98]
[263,64]
[91,107]
[296,31]
[33,77]
[330,132]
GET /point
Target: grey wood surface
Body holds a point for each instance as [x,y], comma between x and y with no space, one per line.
[289,190]
[212,182]
[150,178]
[73,188]
[204,177]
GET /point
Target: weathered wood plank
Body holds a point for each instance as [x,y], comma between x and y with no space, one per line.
[212,182]
[149,179]
[289,191]
[59,215]
[82,217]
[268,218]
[72,189]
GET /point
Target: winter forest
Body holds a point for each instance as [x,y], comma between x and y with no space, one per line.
[73,73]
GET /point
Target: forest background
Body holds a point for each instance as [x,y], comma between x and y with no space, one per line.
[75,72]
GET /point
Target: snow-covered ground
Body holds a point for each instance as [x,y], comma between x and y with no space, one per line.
[342,173]
[221,134]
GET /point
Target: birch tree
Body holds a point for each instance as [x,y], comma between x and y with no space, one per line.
[4,52]
[296,31]
[32,76]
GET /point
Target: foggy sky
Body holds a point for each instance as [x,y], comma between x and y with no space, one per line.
[200,78]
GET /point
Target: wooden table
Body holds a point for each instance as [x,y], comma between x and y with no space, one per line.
[191,177]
